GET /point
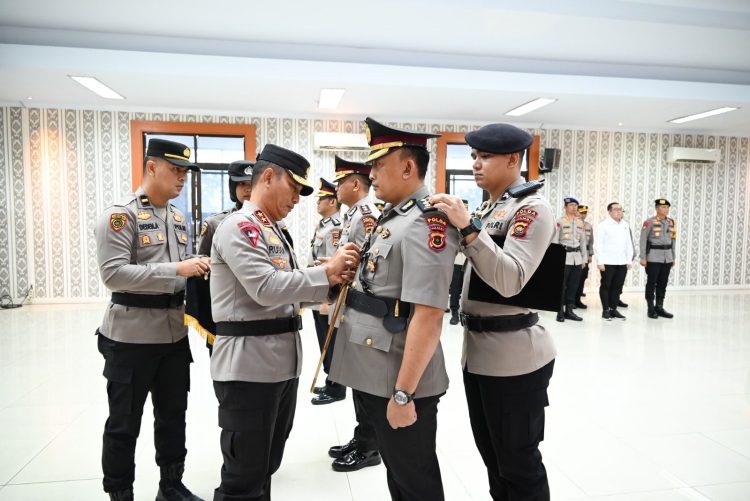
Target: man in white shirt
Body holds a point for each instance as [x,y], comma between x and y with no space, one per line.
[615,251]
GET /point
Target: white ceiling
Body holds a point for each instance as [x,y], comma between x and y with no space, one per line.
[611,61]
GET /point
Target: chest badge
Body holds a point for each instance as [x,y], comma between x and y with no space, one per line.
[178,218]
[143,215]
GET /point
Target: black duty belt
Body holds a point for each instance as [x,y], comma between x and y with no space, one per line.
[499,324]
[660,247]
[571,249]
[265,327]
[161,301]
[394,312]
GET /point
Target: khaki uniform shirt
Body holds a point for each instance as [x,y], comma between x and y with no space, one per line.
[359,221]
[528,224]
[137,251]
[570,234]
[410,257]
[589,232]
[658,232]
[208,228]
[326,239]
[254,276]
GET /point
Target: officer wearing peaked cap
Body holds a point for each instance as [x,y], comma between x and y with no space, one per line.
[388,350]
[353,190]
[571,235]
[142,255]
[324,243]
[256,290]
[198,300]
[658,255]
[508,358]
[583,212]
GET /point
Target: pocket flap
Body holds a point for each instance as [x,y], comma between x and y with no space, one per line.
[118,374]
[371,338]
[380,249]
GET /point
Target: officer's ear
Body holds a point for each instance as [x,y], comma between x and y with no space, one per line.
[410,167]
[149,169]
[513,160]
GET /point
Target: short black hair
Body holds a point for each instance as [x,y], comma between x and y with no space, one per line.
[420,156]
[259,167]
[365,180]
[145,161]
[611,204]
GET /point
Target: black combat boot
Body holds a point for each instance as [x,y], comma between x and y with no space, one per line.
[171,487]
[454,316]
[651,310]
[561,315]
[660,311]
[124,495]
[606,315]
[570,314]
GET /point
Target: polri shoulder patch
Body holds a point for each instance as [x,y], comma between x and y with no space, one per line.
[438,225]
[118,220]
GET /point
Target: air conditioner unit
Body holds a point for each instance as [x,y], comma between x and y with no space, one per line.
[340,141]
[693,155]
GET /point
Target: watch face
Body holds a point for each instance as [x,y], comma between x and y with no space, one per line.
[477,222]
[401,398]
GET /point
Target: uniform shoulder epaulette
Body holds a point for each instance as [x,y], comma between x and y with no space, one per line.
[325,221]
[335,221]
[526,188]
[424,205]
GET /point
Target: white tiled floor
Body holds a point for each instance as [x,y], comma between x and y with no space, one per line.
[641,410]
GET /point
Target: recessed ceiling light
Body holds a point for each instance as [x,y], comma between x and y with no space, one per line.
[530,106]
[330,98]
[698,116]
[619,123]
[29,98]
[97,87]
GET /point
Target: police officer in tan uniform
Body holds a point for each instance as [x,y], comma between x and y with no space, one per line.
[256,290]
[141,250]
[508,357]
[583,212]
[658,255]
[388,350]
[353,190]
[571,235]
[198,298]
[323,245]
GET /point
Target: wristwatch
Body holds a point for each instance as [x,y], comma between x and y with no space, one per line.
[401,397]
[475,226]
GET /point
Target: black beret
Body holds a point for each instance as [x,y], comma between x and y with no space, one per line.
[499,138]
[171,151]
[570,200]
[295,164]
[241,170]
[662,201]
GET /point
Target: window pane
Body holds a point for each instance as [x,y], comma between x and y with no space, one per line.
[458,157]
[213,149]
[213,192]
[463,185]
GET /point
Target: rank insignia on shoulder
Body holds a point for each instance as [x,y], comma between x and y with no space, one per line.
[262,218]
[204,228]
[408,205]
[365,210]
[144,200]
[438,226]
[118,220]
[325,221]
[351,211]
[143,215]
[425,204]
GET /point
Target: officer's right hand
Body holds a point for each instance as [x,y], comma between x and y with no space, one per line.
[601,267]
[342,267]
[643,262]
[194,267]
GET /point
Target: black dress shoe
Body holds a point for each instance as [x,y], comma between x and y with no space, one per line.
[580,305]
[606,315]
[325,398]
[620,304]
[356,460]
[570,314]
[560,317]
[616,314]
[319,389]
[661,312]
[339,451]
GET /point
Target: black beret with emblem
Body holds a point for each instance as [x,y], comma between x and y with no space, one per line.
[327,189]
[569,200]
[383,139]
[295,164]
[662,201]
[241,170]
[347,167]
[171,151]
[499,138]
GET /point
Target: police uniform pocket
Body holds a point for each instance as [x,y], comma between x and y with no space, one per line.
[376,266]
[371,338]
[119,389]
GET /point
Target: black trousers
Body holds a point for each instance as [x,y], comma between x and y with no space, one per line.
[255,421]
[132,371]
[657,276]
[411,463]
[582,282]
[507,419]
[571,278]
[364,432]
[457,284]
[610,287]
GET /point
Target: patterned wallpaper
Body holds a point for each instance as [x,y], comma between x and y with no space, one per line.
[61,168]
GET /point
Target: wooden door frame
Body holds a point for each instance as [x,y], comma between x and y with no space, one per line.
[140,127]
[447,138]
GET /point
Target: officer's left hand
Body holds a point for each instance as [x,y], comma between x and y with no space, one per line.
[453,207]
[401,416]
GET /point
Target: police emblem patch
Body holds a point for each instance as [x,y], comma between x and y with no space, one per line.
[262,218]
[369,223]
[143,215]
[250,231]
[118,220]
[273,238]
[145,240]
[437,225]
[519,229]
[385,233]
[280,262]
